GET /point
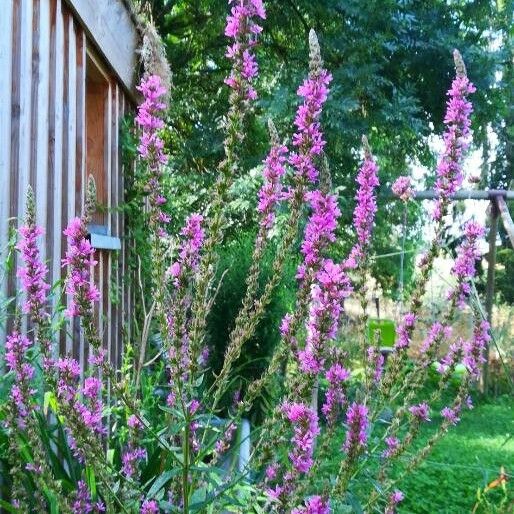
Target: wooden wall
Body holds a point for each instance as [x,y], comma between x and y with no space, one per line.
[44,53]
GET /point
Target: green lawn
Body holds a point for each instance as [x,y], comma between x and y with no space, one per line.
[469,457]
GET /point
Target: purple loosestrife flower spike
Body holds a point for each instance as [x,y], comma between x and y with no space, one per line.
[309,139]
[366,207]
[149,507]
[402,188]
[271,191]
[243,31]
[394,499]
[473,351]
[34,271]
[17,345]
[404,331]
[456,138]
[325,309]
[151,146]
[79,259]
[335,398]
[451,415]
[320,230]
[306,429]
[464,267]
[420,411]
[82,503]
[357,423]
[314,505]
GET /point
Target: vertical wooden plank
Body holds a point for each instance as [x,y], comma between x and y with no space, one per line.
[114,269]
[56,140]
[70,129]
[25,101]
[80,161]
[41,126]
[66,18]
[6,44]
[108,255]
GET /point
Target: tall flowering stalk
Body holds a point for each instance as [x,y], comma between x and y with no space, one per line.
[309,141]
[33,275]
[243,30]
[449,179]
[456,137]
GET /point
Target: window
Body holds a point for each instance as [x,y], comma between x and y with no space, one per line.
[97,90]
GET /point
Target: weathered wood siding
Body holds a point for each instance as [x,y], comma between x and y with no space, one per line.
[44,51]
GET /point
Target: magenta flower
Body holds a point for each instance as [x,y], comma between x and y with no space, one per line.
[451,415]
[404,331]
[151,145]
[306,429]
[357,423]
[402,188]
[320,230]
[33,274]
[325,309]
[456,137]
[464,267]
[149,507]
[392,443]
[79,259]
[436,334]
[473,351]
[366,207]
[314,505]
[271,191]
[17,345]
[309,139]
[335,398]
[376,360]
[82,503]
[394,499]
[420,411]
[243,30]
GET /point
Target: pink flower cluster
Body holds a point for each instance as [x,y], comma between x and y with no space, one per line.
[314,505]
[79,259]
[133,454]
[357,433]
[309,137]
[464,267]
[420,411]
[151,145]
[82,503]
[402,188]
[17,346]
[456,137]
[392,443]
[404,331]
[32,274]
[325,309]
[436,334]
[365,209]
[394,499]
[189,254]
[271,191]
[243,30]
[320,229]
[149,507]
[306,429]
[335,398]
[473,351]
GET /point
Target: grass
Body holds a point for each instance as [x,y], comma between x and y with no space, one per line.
[468,458]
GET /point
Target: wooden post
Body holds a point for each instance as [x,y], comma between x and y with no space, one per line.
[506,218]
[493,232]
